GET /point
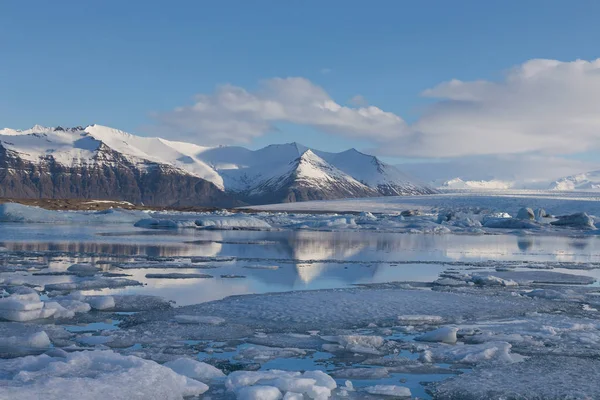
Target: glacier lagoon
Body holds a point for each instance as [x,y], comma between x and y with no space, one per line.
[382,314]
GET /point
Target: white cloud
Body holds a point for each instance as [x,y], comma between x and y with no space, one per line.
[542,106]
[358,101]
[524,169]
[234,115]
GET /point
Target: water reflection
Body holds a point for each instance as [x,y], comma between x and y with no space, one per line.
[306,259]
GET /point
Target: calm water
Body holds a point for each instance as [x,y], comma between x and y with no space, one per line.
[303,259]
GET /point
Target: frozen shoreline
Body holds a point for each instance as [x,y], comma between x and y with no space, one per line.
[473,326]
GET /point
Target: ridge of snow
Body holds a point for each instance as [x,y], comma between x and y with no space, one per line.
[458,183]
[584,181]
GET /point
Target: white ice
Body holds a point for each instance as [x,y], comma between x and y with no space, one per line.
[93,375]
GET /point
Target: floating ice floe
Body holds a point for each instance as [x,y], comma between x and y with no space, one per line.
[84,269]
[93,375]
[23,343]
[25,305]
[388,390]
[469,354]
[231,222]
[195,369]
[577,220]
[510,223]
[355,343]
[101,302]
[314,384]
[442,335]
[263,354]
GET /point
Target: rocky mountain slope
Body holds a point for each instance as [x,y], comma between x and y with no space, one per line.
[97,162]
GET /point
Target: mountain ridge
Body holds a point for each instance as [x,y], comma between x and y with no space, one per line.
[109,163]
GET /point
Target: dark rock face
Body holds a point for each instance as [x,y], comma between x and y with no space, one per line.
[111,177]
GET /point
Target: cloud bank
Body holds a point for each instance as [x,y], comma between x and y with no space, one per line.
[543,106]
[234,115]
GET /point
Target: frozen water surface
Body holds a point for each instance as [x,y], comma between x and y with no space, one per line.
[349,306]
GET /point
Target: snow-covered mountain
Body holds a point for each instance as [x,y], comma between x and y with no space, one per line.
[584,181]
[458,183]
[104,163]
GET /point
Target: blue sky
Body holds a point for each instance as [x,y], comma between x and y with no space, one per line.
[118,63]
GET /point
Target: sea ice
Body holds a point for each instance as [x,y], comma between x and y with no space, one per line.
[358,343]
[577,220]
[83,269]
[314,384]
[32,343]
[259,392]
[13,212]
[264,353]
[199,319]
[194,369]
[101,302]
[419,319]
[442,335]
[536,378]
[388,390]
[93,375]
[469,354]
[231,222]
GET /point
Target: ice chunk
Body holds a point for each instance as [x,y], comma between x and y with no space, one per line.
[362,373]
[101,302]
[314,384]
[510,223]
[388,390]
[25,305]
[13,212]
[490,280]
[33,343]
[526,214]
[199,319]
[90,375]
[261,392]
[58,310]
[195,369]
[577,220]
[231,222]
[470,354]
[76,306]
[358,343]
[442,335]
[265,353]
